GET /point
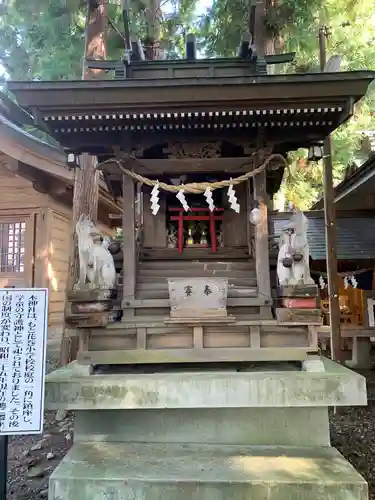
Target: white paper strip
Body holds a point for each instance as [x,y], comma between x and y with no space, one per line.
[209,200]
[234,205]
[155,199]
[181,198]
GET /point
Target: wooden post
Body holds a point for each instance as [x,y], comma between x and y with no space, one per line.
[261,239]
[330,228]
[86,180]
[128,246]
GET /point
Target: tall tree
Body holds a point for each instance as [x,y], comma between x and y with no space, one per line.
[44,39]
[86,182]
[293,25]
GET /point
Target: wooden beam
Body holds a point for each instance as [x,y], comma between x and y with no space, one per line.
[181,166]
[331,243]
[140,356]
[129,245]
[261,239]
[337,353]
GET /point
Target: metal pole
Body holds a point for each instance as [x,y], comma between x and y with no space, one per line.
[330,227]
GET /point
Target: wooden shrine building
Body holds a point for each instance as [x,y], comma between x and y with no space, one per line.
[36,197]
[182,122]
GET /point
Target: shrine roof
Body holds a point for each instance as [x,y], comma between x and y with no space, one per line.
[355,233]
[55,96]
[92,116]
[36,154]
[355,189]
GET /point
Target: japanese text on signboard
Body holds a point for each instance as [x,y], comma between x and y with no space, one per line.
[23,333]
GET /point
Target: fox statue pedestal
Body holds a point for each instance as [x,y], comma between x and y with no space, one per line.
[262,433]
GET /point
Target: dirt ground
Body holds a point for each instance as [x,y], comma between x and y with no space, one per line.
[32,459]
[353,434]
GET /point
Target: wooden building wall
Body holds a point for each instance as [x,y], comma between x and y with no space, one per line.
[48,238]
[16,192]
[20,210]
[58,266]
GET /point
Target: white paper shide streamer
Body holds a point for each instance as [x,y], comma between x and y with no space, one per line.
[354,281]
[155,199]
[209,200]
[181,198]
[346,282]
[234,205]
[322,283]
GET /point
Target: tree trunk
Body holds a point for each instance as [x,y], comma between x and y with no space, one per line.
[153,20]
[263,43]
[95,35]
[86,179]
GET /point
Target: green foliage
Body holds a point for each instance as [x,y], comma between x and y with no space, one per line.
[42,39]
[352,26]
[293,25]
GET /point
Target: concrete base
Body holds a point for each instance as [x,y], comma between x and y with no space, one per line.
[239,426]
[261,434]
[361,354]
[74,388]
[110,471]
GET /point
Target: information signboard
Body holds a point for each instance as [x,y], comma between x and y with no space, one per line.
[23,339]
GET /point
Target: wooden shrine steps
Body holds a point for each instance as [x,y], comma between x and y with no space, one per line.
[189,254]
[152,278]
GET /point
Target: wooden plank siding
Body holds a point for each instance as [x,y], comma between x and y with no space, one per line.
[17,193]
[59,250]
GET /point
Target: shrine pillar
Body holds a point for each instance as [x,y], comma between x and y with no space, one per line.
[129,245]
[261,238]
[154,226]
[234,226]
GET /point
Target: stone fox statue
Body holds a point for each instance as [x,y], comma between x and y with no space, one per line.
[293,259]
[96,264]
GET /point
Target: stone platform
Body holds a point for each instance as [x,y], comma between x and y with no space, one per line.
[260,433]
[204,472]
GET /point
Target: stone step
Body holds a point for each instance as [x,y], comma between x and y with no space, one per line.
[204,472]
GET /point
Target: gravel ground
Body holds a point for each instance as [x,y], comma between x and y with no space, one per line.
[33,458]
[353,434]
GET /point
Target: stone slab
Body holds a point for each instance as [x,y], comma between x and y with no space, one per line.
[67,388]
[246,426]
[110,471]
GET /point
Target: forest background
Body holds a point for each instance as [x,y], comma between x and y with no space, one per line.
[44,39]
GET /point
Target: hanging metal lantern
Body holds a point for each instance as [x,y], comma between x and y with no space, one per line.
[315,152]
[255,215]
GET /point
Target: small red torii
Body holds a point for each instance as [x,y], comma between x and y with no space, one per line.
[183,216]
